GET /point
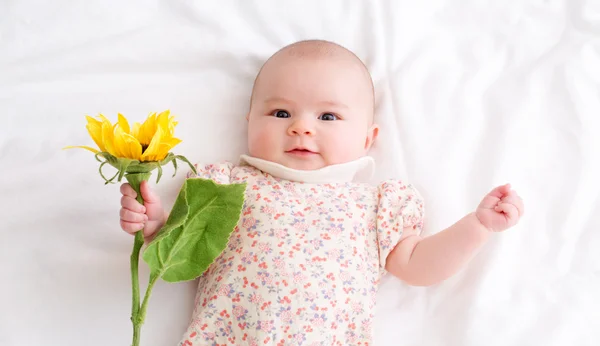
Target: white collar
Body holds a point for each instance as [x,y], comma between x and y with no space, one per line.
[360,170]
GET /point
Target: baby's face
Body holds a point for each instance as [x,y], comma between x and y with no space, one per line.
[311,112]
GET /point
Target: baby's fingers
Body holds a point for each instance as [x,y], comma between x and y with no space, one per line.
[511,212]
[130,216]
[500,191]
[127,190]
[131,227]
[516,201]
[132,204]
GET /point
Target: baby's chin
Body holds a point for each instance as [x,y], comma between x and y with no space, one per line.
[302,164]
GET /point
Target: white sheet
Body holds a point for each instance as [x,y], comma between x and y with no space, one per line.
[470,94]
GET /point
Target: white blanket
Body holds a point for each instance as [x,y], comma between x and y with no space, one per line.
[470,94]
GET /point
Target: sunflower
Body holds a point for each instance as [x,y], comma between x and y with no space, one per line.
[134,149]
[150,141]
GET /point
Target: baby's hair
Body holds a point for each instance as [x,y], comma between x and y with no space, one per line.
[316,49]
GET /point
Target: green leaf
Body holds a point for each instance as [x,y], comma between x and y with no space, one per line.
[197,231]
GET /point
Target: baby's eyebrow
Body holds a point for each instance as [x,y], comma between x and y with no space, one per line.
[324,104]
[334,104]
[279,100]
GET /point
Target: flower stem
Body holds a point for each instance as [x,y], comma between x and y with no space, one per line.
[135,287]
[136,334]
[142,312]
[135,179]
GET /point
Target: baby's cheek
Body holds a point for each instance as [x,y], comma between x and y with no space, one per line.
[345,147]
[255,145]
[260,143]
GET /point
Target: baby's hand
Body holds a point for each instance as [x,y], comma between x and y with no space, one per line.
[134,216]
[500,209]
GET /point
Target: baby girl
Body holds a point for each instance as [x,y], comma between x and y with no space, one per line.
[304,262]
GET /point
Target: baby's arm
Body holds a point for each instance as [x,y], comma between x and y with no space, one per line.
[426,261]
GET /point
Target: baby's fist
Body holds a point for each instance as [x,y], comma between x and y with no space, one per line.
[500,209]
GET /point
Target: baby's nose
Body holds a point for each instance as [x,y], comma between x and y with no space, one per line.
[301,127]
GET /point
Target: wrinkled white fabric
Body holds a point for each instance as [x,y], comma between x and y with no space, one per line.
[469,94]
[359,170]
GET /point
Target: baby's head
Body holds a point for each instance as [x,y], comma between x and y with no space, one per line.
[312,106]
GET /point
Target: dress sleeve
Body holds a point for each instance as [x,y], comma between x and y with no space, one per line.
[400,206]
[220,172]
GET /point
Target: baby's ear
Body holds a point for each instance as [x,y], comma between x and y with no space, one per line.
[248,116]
[371,136]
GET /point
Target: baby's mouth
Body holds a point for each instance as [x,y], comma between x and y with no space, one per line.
[302,152]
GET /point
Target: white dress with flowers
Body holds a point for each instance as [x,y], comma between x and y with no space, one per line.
[303,264]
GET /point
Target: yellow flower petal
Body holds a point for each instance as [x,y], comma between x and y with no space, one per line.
[147,130]
[152,151]
[123,124]
[136,130]
[162,122]
[127,145]
[82,147]
[164,150]
[94,128]
[171,142]
[166,145]
[104,119]
[108,138]
[163,117]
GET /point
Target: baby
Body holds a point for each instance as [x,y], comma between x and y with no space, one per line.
[304,262]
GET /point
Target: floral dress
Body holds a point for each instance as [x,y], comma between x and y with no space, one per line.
[303,264]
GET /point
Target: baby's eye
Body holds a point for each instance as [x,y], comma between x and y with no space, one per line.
[328,117]
[281,114]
